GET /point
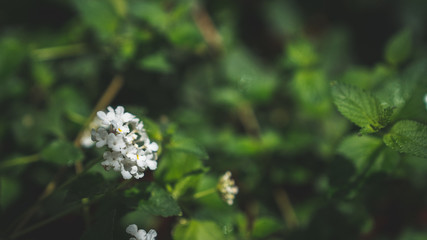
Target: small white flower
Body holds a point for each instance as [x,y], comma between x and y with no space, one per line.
[151,235]
[153,147]
[139,175]
[99,136]
[140,234]
[116,142]
[130,152]
[152,164]
[227,188]
[112,159]
[126,174]
[106,118]
[132,229]
[122,115]
[425,100]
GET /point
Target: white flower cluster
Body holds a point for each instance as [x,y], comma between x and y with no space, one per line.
[227,188]
[129,148]
[140,234]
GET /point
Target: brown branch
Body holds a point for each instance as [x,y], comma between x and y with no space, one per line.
[207,27]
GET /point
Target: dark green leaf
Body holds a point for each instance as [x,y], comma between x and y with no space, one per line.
[87,185]
[408,137]
[160,203]
[9,191]
[62,153]
[103,228]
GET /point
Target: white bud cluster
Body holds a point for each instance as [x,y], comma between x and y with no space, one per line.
[130,151]
[227,188]
[140,234]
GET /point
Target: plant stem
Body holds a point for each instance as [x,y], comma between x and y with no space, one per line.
[50,53]
[286,208]
[53,218]
[103,102]
[204,193]
[19,161]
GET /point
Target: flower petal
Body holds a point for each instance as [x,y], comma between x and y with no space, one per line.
[132,229]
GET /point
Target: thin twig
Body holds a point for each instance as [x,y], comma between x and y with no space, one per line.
[286,208]
[249,120]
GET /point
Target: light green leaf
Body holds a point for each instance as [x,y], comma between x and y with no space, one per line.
[312,91]
[408,136]
[265,226]
[62,153]
[156,62]
[185,185]
[399,47]
[361,108]
[160,203]
[186,145]
[152,12]
[197,230]
[176,164]
[301,53]
[43,74]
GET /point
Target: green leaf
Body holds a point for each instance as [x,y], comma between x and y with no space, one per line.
[399,47]
[197,230]
[312,91]
[87,185]
[185,185]
[160,203]
[43,74]
[302,54]
[152,12]
[187,145]
[408,136]
[103,228]
[265,226]
[176,164]
[361,108]
[9,191]
[99,15]
[359,149]
[71,102]
[62,153]
[156,62]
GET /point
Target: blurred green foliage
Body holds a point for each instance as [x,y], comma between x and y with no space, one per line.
[318,112]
